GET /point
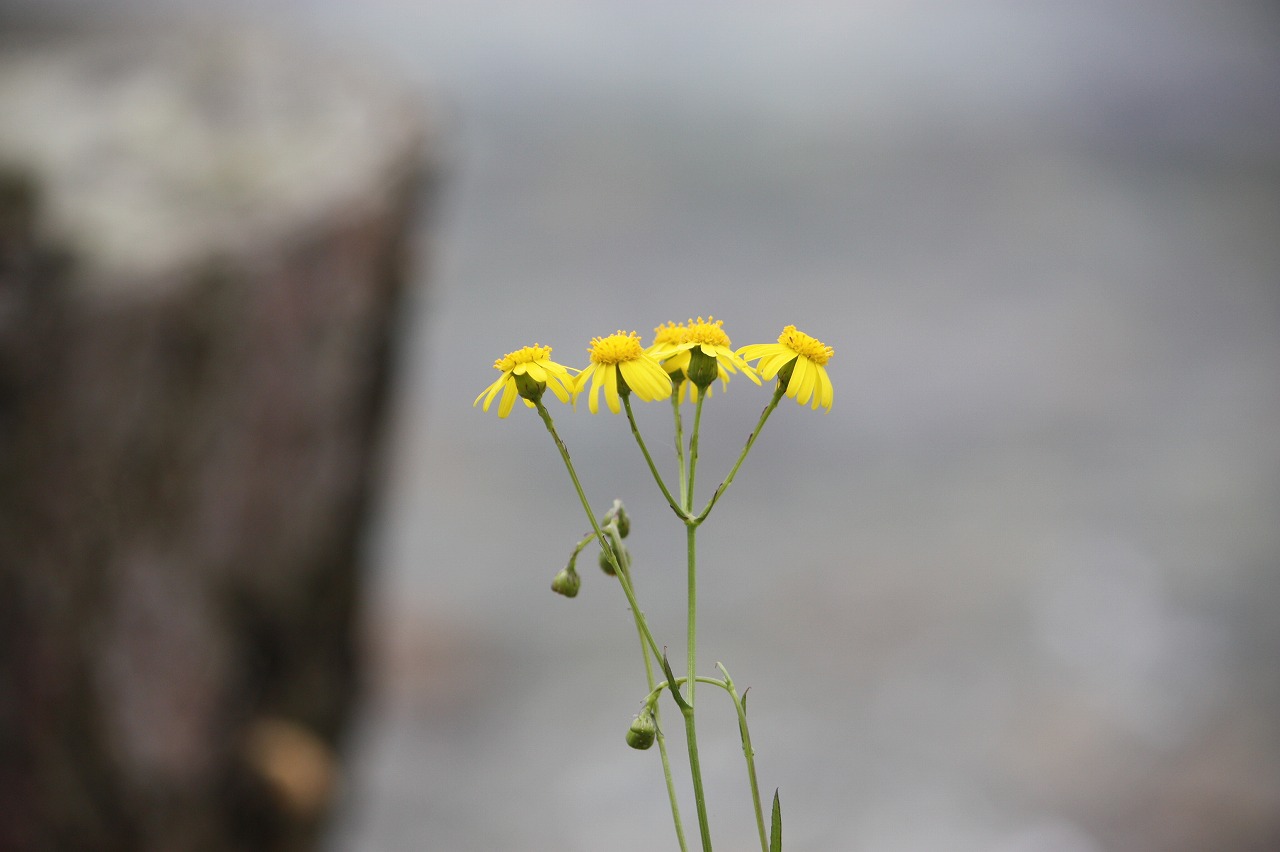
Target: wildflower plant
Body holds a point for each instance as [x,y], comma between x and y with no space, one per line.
[681,365]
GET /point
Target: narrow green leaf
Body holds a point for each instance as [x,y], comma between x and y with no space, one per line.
[775,827]
[671,679]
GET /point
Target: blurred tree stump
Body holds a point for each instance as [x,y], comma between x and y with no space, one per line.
[202,240]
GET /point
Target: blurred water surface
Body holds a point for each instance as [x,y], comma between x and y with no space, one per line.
[1018,590]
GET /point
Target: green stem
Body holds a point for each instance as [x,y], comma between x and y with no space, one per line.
[691,533]
[751,439]
[624,569]
[679,421]
[699,798]
[749,753]
[693,451]
[595,526]
[587,539]
[655,693]
[621,573]
[657,477]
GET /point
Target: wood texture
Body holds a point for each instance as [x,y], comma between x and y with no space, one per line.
[202,241]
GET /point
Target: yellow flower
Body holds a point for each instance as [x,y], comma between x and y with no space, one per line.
[621,353]
[526,372]
[665,337]
[674,345]
[800,363]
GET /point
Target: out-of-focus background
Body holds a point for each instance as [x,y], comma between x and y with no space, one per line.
[1017,592]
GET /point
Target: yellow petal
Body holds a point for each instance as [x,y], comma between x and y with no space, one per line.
[771,364]
[647,379]
[800,376]
[558,389]
[611,388]
[593,397]
[557,370]
[753,351]
[491,391]
[826,394]
[509,397]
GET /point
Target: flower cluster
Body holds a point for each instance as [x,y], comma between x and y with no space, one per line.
[683,362]
[683,356]
[697,354]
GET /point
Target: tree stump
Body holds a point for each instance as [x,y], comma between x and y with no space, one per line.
[202,240]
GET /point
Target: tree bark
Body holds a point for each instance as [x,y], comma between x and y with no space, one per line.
[203,237]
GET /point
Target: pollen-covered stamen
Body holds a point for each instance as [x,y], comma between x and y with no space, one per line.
[707,331]
[616,348]
[669,333]
[524,355]
[802,344]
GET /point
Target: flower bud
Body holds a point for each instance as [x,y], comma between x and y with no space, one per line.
[702,369]
[566,583]
[529,387]
[642,731]
[623,555]
[606,565]
[619,514]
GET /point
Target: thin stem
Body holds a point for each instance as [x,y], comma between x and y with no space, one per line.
[675,409]
[621,573]
[587,539]
[624,568]
[693,451]
[657,477]
[749,753]
[656,693]
[595,525]
[691,536]
[699,798]
[751,439]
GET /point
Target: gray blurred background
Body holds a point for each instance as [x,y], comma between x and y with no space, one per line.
[1017,592]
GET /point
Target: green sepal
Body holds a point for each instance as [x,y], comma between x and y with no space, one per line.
[528,387]
[784,375]
[702,368]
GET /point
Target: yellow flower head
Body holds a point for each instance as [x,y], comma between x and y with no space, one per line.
[665,337]
[800,362]
[674,345]
[526,372]
[620,364]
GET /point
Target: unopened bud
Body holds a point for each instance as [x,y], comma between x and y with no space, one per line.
[566,583]
[606,564]
[642,731]
[618,513]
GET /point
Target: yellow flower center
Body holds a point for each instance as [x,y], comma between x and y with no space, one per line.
[706,331]
[617,347]
[802,344]
[525,355]
[669,333]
